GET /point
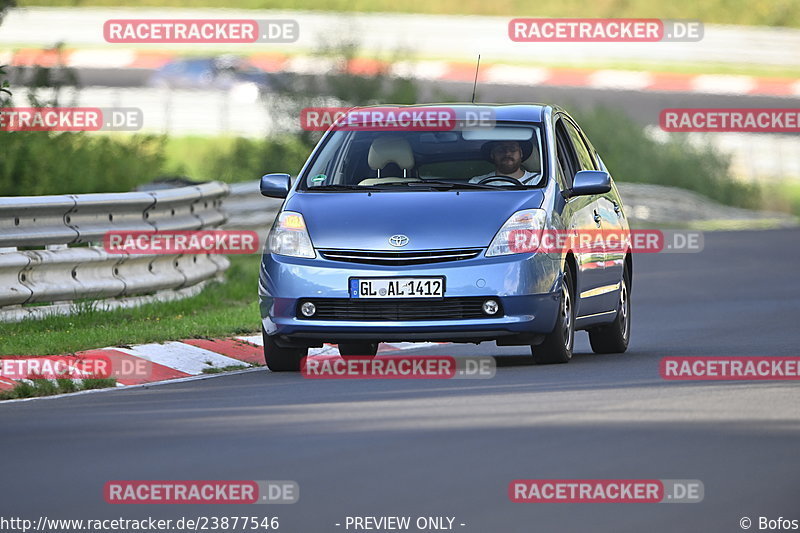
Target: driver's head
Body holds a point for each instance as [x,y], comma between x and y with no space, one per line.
[506,156]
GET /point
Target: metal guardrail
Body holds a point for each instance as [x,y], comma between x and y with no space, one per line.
[73,267]
[247,209]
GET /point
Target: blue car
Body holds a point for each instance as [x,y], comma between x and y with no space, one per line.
[392,234]
[222,72]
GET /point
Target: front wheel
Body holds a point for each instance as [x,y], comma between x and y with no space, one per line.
[281,359]
[358,349]
[614,337]
[557,345]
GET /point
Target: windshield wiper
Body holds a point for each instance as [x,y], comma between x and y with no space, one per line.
[456,185]
[431,184]
[340,187]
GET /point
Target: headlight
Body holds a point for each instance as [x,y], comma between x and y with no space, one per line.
[518,233]
[289,236]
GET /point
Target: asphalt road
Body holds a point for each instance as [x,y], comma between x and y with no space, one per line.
[450,448]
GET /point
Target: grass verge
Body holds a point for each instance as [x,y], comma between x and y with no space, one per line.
[230,368]
[49,387]
[222,309]
[783,196]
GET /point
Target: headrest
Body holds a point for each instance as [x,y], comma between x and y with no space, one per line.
[385,150]
[532,163]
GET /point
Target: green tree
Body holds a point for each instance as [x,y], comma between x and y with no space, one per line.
[5,5]
[5,94]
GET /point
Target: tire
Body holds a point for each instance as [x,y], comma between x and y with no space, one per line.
[614,337]
[358,349]
[557,345]
[280,359]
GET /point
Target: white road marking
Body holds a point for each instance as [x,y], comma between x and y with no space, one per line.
[513,75]
[423,70]
[330,349]
[89,58]
[723,84]
[620,79]
[408,345]
[252,339]
[182,357]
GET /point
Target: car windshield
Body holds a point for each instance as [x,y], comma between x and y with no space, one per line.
[501,157]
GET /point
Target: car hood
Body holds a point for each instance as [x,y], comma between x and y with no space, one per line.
[430,219]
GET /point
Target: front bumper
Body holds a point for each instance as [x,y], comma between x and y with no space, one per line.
[527,286]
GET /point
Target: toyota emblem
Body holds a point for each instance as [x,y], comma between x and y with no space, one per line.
[398,240]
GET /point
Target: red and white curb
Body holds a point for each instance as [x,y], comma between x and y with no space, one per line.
[437,71]
[156,363]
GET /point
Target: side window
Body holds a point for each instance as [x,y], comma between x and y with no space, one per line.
[561,175]
[584,158]
[598,164]
[565,154]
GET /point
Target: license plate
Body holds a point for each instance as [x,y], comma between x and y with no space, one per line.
[397,288]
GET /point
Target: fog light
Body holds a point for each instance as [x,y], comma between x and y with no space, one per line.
[490,307]
[308,309]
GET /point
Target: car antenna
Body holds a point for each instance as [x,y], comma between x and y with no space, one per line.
[475,85]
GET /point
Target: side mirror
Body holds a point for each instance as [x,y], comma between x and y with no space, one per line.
[588,182]
[275,185]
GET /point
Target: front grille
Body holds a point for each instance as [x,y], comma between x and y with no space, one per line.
[397,309]
[418,257]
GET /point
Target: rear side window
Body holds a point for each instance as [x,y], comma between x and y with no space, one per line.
[581,151]
[565,154]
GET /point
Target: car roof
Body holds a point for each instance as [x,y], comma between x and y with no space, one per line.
[502,112]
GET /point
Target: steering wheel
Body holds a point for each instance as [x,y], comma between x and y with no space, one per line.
[507,179]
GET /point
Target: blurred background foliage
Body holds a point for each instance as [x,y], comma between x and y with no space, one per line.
[749,12]
[631,156]
[35,163]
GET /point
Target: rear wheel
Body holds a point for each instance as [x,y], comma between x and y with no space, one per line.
[557,345]
[281,359]
[358,349]
[614,337]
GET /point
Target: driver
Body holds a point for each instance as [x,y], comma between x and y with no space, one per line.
[507,157]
